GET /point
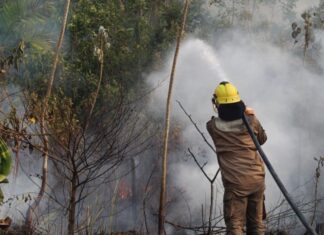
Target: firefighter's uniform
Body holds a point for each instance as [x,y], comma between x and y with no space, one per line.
[242,172]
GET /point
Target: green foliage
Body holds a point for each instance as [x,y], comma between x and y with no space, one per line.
[26,20]
[136,38]
[30,25]
[139,32]
[12,58]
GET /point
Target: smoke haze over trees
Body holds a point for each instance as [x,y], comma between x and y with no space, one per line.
[105,114]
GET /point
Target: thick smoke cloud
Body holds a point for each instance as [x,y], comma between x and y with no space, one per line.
[286,96]
[301,5]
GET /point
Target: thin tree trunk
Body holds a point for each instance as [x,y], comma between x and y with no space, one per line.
[315,202]
[112,207]
[32,209]
[233,11]
[317,176]
[94,101]
[203,218]
[17,155]
[167,125]
[72,204]
[211,208]
[89,222]
[253,10]
[134,193]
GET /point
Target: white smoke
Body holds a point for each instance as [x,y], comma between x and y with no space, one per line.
[301,5]
[286,96]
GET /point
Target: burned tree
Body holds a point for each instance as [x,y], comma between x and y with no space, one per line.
[85,159]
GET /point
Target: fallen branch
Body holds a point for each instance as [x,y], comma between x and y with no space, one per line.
[216,230]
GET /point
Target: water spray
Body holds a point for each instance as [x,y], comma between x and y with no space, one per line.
[214,63]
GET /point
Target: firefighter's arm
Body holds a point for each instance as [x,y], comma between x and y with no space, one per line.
[261,135]
[257,127]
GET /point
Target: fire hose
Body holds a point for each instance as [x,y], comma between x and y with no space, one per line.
[277,179]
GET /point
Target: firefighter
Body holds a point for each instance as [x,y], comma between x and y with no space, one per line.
[242,169]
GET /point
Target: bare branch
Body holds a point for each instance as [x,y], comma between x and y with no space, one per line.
[197,128]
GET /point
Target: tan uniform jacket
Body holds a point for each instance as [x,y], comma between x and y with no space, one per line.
[241,166]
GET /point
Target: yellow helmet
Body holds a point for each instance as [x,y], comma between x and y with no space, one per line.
[226,93]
